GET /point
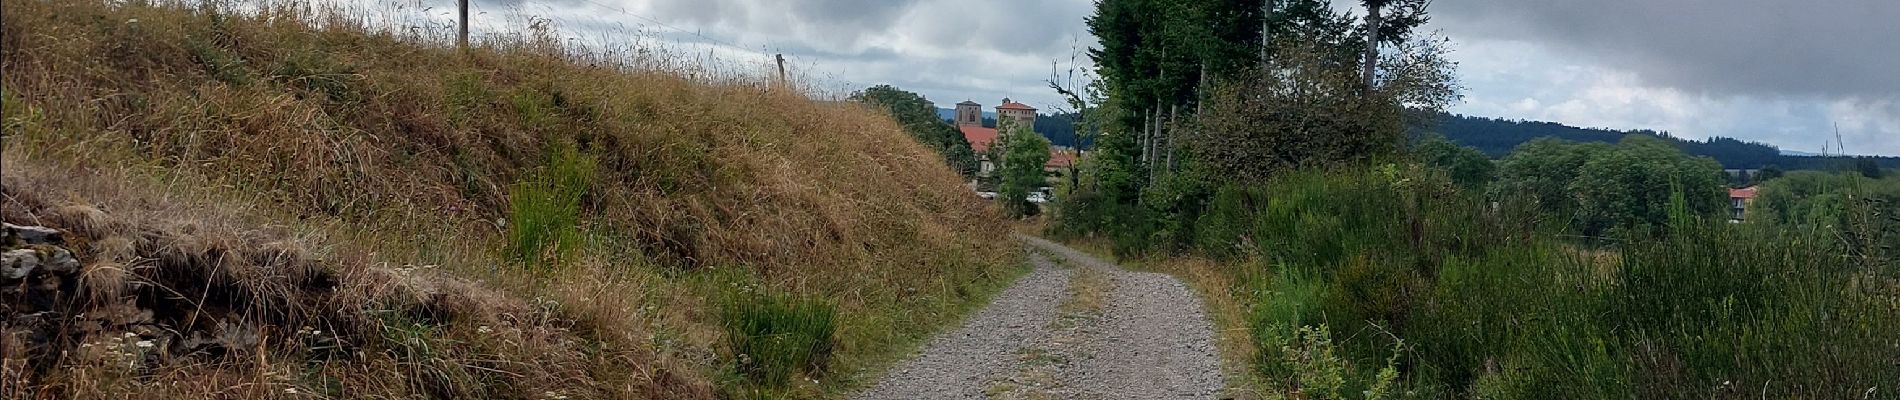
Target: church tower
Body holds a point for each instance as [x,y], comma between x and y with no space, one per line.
[969,114]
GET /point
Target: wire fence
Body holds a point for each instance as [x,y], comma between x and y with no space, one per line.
[599,32]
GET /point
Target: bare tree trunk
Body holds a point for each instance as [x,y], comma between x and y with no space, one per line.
[1266,31]
[1154,137]
[1175,114]
[1147,131]
[1373,21]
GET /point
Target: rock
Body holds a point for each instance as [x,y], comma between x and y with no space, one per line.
[18,263]
[59,261]
[35,234]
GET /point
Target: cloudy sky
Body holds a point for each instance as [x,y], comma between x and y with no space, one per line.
[1783,72]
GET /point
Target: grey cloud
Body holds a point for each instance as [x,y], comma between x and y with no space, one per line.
[1827,48]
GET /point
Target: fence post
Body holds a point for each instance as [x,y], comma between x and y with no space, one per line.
[461,35]
[781,67]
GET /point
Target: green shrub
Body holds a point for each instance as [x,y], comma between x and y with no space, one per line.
[544,210]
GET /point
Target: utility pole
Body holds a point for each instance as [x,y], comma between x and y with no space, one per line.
[461,35]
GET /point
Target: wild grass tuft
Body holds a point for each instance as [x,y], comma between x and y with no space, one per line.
[544,210]
[776,337]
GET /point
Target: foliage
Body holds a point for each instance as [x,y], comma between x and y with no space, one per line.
[1820,199]
[919,117]
[1467,166]
[544,211]
[1868,168]
[1025,153]
[1593,187]
[1250,106]
[1487,303]
[1630,186]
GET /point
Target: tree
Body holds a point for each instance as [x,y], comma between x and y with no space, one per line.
[1540,172]
[1767,173]
[1599,187]
[1467,166]
[918,116]
[1381,28]
[1025,153]
[1868,168]
[1630,186]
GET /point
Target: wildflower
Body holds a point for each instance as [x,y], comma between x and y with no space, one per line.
[144,343]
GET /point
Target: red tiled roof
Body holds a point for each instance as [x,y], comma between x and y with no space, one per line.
[1743,193]
[1015,106]
[1059,159]
[979,137]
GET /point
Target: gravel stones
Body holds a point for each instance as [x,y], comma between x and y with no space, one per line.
[1151,341]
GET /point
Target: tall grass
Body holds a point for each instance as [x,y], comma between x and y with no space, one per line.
[1488,304]
[775,337]
[544,211]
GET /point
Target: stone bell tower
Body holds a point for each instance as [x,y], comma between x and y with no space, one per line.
[969,114]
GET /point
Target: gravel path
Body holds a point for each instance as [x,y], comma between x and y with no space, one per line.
[1150,340]
[959,364]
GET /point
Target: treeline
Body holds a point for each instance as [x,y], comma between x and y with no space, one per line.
[1495,137]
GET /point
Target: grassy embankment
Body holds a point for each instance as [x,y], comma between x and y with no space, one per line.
[1405,271]
[354,213]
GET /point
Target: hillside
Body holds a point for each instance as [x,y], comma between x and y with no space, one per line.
[259,208]
[1495,137]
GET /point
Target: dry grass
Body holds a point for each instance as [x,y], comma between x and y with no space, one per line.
[383,165]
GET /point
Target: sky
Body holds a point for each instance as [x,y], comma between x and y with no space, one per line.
[1782,72]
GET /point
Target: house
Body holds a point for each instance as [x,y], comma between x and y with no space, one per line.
[969,120]
[1738,200]
[1059,158]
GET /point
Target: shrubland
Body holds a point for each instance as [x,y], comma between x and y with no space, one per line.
[288,201]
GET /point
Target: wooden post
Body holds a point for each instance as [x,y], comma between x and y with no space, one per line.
[781,67]
[461,35]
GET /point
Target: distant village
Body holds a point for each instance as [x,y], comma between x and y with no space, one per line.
[969,121]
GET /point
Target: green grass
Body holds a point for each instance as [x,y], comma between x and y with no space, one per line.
[774,338]
[545,209]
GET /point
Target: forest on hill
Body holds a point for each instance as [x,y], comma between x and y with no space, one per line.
[1496,137]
